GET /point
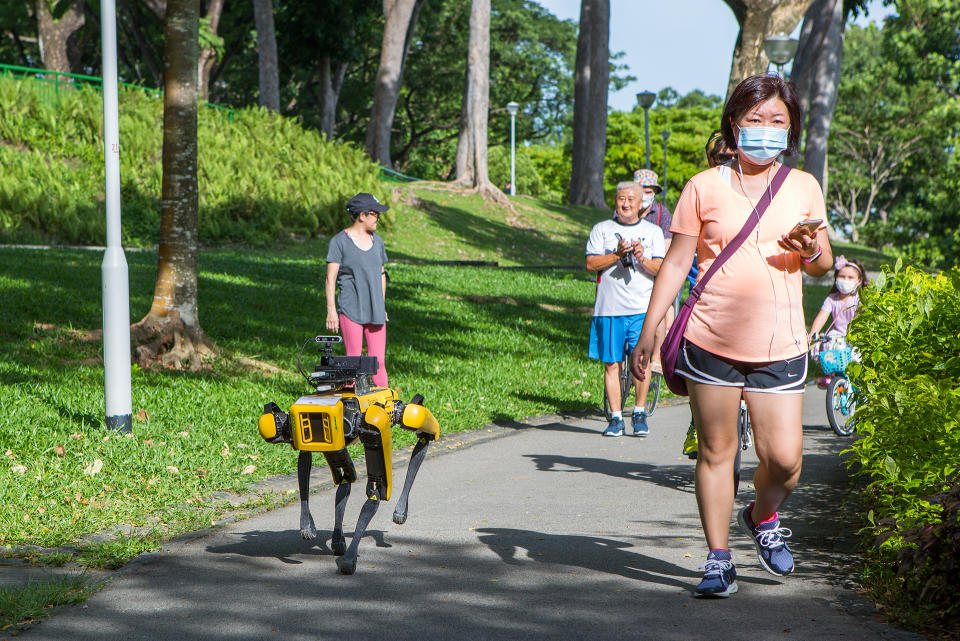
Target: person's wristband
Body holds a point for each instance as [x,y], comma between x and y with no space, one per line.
[812,258]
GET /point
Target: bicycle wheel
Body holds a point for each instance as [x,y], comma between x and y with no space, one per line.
[743,427]
[653,394]
[746,440]
[841,406]
[626,380]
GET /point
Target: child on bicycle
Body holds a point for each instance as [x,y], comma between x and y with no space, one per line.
[841,303]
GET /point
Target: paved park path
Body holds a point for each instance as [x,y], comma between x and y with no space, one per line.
[538,530]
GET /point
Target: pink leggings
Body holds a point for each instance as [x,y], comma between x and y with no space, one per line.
[376,337]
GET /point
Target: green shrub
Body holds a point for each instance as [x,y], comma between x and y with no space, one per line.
[528,180]
[553,167]
[908,331]
[262,177]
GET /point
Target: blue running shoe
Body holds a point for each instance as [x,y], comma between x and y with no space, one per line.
[774,555]
[639,422]
[615,428]
[719,578]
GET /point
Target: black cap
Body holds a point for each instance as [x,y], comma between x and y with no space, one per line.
[364,202]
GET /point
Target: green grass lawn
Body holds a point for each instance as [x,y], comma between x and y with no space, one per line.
[481,344]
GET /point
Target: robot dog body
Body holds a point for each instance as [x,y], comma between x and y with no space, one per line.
[343,410]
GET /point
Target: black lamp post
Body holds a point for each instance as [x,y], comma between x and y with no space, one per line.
[645,100]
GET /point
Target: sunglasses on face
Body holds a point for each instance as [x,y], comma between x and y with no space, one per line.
[375,214]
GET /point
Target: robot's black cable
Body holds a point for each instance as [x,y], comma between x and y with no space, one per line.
[299,357]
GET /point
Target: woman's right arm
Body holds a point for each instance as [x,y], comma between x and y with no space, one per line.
[673,271]
[333,320]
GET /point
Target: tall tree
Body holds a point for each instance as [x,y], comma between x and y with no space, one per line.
[472,144]
[759,19]
[873,142]
[397,15]
[816,75]
[171,329]
[210,46]
[591,85]
[267,54]
[56,22]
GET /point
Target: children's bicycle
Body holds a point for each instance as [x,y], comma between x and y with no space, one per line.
[626,382]
[841,392]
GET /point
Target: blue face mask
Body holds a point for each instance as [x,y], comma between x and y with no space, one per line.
[761,145]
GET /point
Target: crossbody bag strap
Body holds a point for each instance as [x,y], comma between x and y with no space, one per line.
[748,226]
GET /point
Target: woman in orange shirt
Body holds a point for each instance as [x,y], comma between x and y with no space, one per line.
[746,335]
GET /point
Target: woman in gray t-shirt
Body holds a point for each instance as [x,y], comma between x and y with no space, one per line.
[355,267]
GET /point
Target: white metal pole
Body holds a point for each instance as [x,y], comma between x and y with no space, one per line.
[116,288]
[513,161]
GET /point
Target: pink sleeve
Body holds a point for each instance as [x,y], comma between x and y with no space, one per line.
[686,215]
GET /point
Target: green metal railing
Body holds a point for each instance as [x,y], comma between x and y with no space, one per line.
[396,176]
[53,83]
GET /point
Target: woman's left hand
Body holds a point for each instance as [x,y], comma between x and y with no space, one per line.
[801,240]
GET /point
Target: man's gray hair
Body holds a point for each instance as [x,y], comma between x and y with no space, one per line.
[629,184]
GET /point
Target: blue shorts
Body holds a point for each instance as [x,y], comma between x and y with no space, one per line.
[609,333]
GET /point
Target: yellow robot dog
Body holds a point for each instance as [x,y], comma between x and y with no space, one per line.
[343,409]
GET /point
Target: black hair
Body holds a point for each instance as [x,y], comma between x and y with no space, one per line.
[751,92]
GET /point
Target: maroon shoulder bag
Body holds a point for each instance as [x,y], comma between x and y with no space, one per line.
[671,344]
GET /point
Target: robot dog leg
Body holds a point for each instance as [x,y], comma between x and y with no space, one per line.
[344,474]
[336,416]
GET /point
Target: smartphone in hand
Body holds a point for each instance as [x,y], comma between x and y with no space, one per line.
[811,225]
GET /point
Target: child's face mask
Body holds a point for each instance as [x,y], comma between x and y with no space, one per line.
[847,286]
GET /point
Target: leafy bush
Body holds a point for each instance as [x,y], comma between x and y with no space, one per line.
[261,176]
[930,564]
[528,180]
[552,163]
[908,331]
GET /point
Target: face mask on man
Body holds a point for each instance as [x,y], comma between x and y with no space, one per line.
[646,201]
[762,145]
[846,286]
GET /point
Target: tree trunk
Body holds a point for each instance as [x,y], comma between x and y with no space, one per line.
[331,79]
[824,83]
[592,146]
[267,53]
[171,330]
[581,96]
[472,144]
[397,14]
[53,34]
[759,19]
[208,55]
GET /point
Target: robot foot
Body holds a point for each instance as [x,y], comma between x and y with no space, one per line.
[347,565]
[307,529]
[339,545]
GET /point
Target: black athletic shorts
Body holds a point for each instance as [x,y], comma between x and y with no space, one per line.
[779,377]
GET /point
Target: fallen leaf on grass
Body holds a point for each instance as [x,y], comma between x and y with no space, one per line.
[250,469]
[18,469]
[60,450]
[142,414]
[94,468]
[173,469]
